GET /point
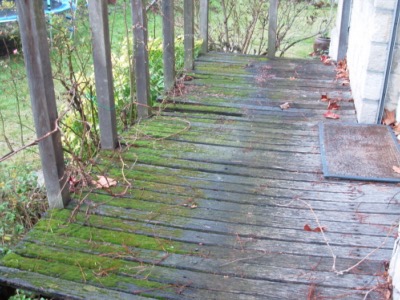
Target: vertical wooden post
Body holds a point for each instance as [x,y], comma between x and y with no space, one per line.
[188,8]
[141,58]
[273,26]
[98,16]
[204,15]
[32,25]
[344,8]
[168,44]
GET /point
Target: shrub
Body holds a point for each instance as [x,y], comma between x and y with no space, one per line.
[22,201]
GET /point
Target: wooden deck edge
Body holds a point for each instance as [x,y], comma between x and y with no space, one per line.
[58,288]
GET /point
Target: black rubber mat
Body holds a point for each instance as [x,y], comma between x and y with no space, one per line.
[359,152]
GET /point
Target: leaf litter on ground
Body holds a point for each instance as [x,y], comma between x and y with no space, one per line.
[104,182]
[316,229]
[285,106]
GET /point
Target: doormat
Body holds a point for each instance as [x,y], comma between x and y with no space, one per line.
[359,152]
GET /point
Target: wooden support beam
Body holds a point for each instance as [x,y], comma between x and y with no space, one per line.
[168,44]
[141,58]
[188,29]
[272,28]
[344,8]
[204,15]
[98,16]
[32,24]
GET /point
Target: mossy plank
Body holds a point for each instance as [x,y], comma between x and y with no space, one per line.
[211,109]
[231,227]
[84,231]
[203,179]
[205,263]
[245,126]
[74,273]
[217,57]
[58,288]
[177,203]
[288,171]
[224,68]
[283,141]
[188,143]
[266,107]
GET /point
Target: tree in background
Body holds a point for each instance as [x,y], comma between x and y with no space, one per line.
[242,25]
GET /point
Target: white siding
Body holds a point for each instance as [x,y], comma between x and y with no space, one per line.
[369,37]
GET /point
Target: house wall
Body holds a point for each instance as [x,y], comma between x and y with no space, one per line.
[394,270]
[369,37]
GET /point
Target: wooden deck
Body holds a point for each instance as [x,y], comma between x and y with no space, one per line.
[213,201]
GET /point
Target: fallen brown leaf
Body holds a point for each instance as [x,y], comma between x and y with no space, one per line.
[316,229]
[333,105]
[285,106]
[389,117]
[104,182]
[187,78]
[331,115]
[346,83]
[326,60]
[324,98]
[396,129]
[396,169]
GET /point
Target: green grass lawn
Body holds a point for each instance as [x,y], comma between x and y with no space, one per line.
[16,122]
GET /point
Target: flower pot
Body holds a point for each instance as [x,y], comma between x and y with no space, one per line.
[321,45]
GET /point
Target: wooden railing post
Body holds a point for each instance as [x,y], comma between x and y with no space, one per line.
[188,21]
[344,9]
[168,43]
[32,25]
[204,14]
[98,16]
[141,58]
[272,28]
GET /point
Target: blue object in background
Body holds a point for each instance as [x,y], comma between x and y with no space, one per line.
[50,7]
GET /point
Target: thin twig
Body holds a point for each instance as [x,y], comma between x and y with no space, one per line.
[334,257]
[35,142]
[370,291]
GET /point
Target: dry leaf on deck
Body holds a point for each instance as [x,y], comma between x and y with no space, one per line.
[331,115]
[396,129]
[326,60]
[324,98]
[104,182]
[389,117]
[316,229]
[285,105]
[333,105]
[346,83]
[396,169]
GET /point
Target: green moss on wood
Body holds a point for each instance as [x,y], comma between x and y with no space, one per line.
[62,227]
[76,267]
[223,91]
[237,69]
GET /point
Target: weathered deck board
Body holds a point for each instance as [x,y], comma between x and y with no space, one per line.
[213,195]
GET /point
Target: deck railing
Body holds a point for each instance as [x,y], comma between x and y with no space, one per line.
[36,54]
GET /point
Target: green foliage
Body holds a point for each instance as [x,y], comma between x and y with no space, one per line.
[21,202]
[242,25]
[23,295]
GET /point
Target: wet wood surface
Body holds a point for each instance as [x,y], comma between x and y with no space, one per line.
[220,195]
